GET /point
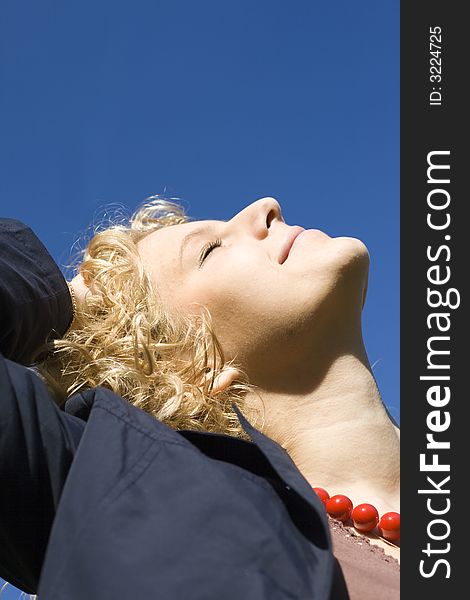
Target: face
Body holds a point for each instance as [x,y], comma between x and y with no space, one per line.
[266,284]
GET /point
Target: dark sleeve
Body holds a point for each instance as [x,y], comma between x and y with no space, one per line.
[35,303]
[37,439]
[37,445]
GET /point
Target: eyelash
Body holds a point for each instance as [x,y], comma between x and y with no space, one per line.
[208,249]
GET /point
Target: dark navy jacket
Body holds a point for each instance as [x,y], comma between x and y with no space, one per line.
[99,500]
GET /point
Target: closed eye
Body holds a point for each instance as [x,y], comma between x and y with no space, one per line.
[207,249]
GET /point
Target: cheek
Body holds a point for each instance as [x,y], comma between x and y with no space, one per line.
[234,302]
[218,292]
[221,285]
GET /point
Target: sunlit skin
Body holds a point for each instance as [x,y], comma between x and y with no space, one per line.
[267,315]
[290,316]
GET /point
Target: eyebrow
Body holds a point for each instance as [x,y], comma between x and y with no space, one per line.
[189,237]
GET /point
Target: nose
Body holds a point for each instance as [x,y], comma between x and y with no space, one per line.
[258,216]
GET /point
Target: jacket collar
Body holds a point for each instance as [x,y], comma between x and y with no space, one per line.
[281,461]
[81,404]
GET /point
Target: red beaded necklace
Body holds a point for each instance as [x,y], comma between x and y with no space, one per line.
[365,517]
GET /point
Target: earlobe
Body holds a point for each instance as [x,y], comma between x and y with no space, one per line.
[224,380]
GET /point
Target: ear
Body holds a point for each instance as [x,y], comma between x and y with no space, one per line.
[224,379]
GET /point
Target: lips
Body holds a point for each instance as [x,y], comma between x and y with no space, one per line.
[288,242]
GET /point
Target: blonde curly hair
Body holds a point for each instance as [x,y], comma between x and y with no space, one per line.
[125,339]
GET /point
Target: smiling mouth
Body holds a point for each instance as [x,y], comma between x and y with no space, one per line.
[294,233]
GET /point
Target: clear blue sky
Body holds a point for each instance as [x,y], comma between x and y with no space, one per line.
[217,103]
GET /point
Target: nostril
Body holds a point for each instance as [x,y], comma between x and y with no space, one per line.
[270,218]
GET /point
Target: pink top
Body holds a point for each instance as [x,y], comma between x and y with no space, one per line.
[370,573]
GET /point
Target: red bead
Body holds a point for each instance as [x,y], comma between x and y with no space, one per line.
[322,494]
[365,517]
[390,526]
[339,507]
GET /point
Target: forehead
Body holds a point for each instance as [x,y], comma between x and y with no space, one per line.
[174,235]
[166,236]
[166,247]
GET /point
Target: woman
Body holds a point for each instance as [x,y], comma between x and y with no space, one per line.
[183,318]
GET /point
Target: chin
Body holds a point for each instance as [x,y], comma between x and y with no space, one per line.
[352,250]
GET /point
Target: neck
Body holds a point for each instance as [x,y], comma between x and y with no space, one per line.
[336,429]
